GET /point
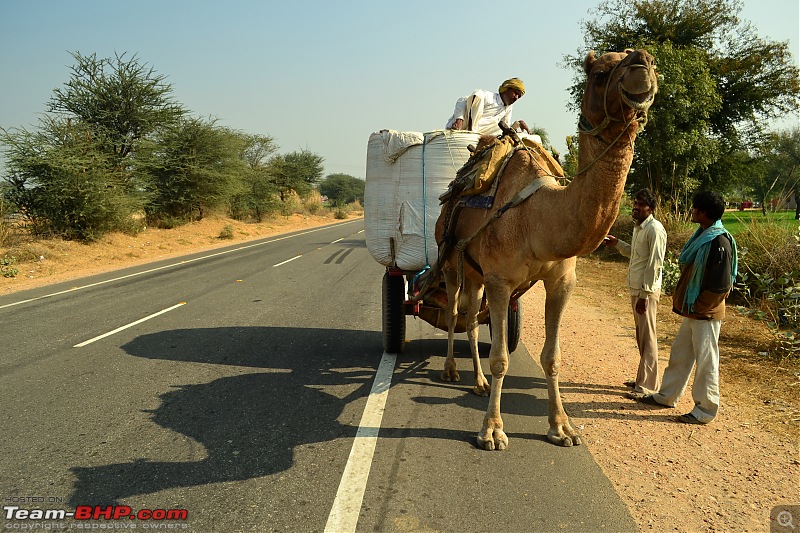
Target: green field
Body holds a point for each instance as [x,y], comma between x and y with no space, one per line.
[736,221]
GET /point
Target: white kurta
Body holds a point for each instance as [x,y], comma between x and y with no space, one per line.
[486,111]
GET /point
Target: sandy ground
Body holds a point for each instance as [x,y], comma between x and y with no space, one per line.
[726,476]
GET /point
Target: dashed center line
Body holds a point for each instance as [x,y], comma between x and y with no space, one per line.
[292,259]
[104,335]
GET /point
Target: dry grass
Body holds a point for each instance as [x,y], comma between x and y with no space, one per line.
[45,261]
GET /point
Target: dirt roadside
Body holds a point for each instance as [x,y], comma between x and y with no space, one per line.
[725,476]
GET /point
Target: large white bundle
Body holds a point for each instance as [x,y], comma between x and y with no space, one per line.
[406,173]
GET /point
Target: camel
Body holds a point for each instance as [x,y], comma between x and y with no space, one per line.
[539,238]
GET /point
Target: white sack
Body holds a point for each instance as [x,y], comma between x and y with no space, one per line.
[401,196]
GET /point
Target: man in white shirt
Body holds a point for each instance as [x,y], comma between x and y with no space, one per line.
[646,253]
[482,111]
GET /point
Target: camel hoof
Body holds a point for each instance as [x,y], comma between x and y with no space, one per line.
[498,440]
[450,374]
[565,439]
[482,389]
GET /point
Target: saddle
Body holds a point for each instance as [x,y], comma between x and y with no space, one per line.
[475,186]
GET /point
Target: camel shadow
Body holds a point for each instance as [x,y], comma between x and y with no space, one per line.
[523,395]
[249,424]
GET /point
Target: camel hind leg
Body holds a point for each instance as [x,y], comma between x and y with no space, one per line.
[474,292]
[558,291]
[450,372]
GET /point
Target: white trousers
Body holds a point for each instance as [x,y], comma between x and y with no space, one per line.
[695,343]
[647,380]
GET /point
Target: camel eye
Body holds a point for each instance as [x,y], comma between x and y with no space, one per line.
[600,76]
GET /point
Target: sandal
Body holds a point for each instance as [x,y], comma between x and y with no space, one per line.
[645,398]
[631,384]
[689,418]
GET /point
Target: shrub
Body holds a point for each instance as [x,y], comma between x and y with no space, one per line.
[769,281]
[313,203]
[226,232]
[670,272]
[7,268]
[290,205]
[166,221]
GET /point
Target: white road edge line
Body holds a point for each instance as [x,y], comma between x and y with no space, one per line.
[337,240]
[288,260]
[343,517]
[176,264]
[104,335]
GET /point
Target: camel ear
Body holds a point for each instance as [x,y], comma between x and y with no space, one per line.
[588,62]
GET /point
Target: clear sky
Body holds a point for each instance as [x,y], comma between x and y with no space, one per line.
[321,75]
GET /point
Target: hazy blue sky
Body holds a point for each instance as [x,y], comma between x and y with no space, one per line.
[320,75]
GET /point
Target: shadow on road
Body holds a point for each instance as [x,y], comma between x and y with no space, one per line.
[248,424]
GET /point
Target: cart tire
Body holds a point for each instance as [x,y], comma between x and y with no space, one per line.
[394,317]
[514,325]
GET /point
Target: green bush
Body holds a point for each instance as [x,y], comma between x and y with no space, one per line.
[7,268]
[226,232]
[769,281]
[670,272]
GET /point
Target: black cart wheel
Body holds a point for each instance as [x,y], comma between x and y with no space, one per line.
[394,317]
[514,325]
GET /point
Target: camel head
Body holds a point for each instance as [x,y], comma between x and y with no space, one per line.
[620,87]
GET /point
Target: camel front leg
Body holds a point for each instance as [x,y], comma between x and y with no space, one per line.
[492,436]
[450,372]
[561,431]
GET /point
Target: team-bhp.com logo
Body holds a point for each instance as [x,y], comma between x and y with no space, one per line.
[93,513]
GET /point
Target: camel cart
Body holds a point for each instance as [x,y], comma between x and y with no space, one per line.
[406,174]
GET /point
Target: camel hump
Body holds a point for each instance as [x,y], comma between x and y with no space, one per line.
[484,167]
[545,157]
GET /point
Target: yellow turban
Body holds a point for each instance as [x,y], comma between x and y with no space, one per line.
[513,83]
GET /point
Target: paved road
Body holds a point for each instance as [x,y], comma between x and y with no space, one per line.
[240,385]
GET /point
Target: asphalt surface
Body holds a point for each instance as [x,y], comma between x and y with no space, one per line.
[230,385]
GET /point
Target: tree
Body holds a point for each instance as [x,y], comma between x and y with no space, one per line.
[65,186]
[121,100]
[296,172]
[76,175]
[196,166]
[259,196]
[781,174]
[570,162]
[721,86]
[676,148]
[342,189]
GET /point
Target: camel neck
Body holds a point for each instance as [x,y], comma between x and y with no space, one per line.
[594,196]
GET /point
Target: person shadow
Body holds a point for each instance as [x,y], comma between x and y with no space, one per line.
[248,424]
